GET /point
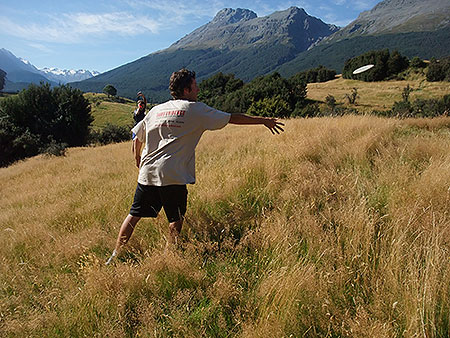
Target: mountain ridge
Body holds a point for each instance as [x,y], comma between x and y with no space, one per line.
[234,41]
[20,72]
[397,16]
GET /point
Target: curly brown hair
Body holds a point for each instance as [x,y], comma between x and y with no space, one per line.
[179,81]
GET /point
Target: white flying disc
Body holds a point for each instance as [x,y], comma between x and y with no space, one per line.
[362,69]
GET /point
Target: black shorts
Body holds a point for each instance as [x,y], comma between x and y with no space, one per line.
[149,199]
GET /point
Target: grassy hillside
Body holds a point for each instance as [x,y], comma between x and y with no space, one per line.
[105,110]
[338,227]
[377,95]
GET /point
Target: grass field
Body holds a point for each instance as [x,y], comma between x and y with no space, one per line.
[337,228]
[372,96]
[377,95]
[104,111]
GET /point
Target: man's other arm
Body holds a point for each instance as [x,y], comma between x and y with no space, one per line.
[137,145]
[271,123]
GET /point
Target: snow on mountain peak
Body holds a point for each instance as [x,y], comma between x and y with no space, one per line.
[67,75]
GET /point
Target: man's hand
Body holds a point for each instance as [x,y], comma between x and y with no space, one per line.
[273,125]
[270,122]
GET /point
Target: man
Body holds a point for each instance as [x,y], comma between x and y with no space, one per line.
[171,131]
[139,113]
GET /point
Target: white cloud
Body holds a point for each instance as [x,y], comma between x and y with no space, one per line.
[40,47]
[363,5]
[72,28]
[175,12]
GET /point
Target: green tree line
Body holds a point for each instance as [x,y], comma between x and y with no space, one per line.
[386,65]
[42,117]
[269,95]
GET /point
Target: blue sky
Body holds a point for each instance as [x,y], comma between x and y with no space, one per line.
[104,34]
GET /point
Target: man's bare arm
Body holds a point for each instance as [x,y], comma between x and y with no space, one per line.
[271,123]
[137,151]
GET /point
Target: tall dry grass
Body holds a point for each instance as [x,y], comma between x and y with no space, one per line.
[338,227]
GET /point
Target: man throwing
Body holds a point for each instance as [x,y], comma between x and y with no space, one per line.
[171,131]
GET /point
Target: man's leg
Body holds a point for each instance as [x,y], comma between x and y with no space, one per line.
[125,232]
[174,231]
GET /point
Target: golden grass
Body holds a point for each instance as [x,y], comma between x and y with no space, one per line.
[376,95]
[337,227]
[111,112]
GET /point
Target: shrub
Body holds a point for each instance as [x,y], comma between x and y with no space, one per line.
[417,62]
[319,74]
[2,79]
[310,110]
[422,107]
[270,107]
[258,97]
[110,90]
[39,114]
[439,70]
[352,96]
[55,149]
[386,65]
[110,134]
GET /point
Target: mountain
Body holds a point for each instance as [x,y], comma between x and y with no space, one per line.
[398,16]
[240,28]
[19,70]
[413,27]
[235,41]
[66,76]
[20,73]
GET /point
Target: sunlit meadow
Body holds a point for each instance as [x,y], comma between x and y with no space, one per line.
[338,227]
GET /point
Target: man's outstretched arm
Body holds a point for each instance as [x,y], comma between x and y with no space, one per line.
[271,123]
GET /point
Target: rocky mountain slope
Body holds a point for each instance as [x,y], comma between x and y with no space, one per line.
[398,16]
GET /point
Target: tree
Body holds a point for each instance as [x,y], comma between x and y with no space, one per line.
[386,65]
[2,79]
[40,116]
[439,70]
[110,90]
[417,62]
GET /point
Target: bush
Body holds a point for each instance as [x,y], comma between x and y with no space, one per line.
[386,65]
[270,107]
[319,74]
[110,90]
[417,62]
[40,114]
[439,70]
[310,110]
[422,107]
[258,97]
[110,134]
[55,149]
[2,79]
[352,96]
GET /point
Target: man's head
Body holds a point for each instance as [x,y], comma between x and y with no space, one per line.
[183,85]
[141,104]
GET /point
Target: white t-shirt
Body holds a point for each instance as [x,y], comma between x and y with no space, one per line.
[171,132]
